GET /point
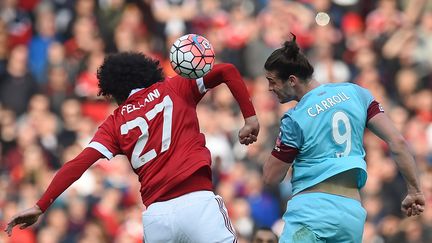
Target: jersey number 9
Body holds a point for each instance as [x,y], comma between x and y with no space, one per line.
[342,138]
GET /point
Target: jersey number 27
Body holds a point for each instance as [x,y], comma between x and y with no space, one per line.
[166,105]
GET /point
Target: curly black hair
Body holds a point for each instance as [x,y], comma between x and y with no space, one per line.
[120,73]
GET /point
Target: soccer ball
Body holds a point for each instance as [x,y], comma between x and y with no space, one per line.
[192,56]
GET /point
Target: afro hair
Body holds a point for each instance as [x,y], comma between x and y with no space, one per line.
[120,73]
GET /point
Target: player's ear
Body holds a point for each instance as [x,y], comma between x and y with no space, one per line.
[292,80]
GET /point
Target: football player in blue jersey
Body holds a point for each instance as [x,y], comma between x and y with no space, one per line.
[322,139]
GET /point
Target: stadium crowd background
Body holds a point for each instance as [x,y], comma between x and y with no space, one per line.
[49,108]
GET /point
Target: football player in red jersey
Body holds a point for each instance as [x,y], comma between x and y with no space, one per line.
[156,127]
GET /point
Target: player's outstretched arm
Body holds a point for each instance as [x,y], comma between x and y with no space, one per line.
[227,73]
[24,219]
[414,202]
[68,174]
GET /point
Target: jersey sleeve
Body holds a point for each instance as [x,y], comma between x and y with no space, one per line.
[227,73]
[68,174]
[289,141]
[365,96]
[373,107]
[105,140]
[194,89]
[291,133]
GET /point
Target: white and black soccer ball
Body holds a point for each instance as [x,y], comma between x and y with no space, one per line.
[192,56]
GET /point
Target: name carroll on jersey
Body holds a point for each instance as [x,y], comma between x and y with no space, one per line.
[133,107]
[327,103]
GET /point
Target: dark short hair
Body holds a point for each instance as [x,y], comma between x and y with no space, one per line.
[265,229]
[288,60]
[120,73]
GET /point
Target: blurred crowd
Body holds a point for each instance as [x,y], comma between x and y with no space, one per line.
[49,107]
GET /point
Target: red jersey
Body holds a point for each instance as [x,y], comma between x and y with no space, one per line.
[157,129]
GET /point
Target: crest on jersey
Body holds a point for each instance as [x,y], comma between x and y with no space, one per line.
[278,142]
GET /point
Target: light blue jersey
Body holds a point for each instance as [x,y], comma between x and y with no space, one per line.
[327,127]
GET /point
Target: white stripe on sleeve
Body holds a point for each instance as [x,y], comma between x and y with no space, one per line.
[201,87]
[101,148]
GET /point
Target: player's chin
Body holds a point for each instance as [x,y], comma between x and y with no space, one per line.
[279,98]
[283,99]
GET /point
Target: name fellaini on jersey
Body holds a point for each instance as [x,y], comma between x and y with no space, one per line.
[327,103]
[154,94]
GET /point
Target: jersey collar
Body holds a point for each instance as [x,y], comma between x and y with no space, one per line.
[134,91]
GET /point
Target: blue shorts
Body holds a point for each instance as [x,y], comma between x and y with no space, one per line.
[323,217]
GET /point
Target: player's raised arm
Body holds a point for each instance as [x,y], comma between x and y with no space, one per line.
[228,74]
[414,202]
[68,174]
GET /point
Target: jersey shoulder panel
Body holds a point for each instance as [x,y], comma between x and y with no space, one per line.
[290,131]
[364,95]
[191,90]
[105,139]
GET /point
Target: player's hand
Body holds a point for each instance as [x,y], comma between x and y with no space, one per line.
[413,204]
[249,132]
[24,219]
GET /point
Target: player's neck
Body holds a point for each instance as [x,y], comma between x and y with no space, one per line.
[307,87]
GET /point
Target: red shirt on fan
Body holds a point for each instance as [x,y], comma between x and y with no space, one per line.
[157,129]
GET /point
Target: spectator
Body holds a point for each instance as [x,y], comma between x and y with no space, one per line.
[17,85]
[384,46]
[264,235]
[3,47]
[18,23]
[40,42]
[110,13]
[58,87]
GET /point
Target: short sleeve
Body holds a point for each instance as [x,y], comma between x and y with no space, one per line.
[105,140]
[290,133]
[365,96]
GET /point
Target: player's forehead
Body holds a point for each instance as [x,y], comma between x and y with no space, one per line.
[271,75]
